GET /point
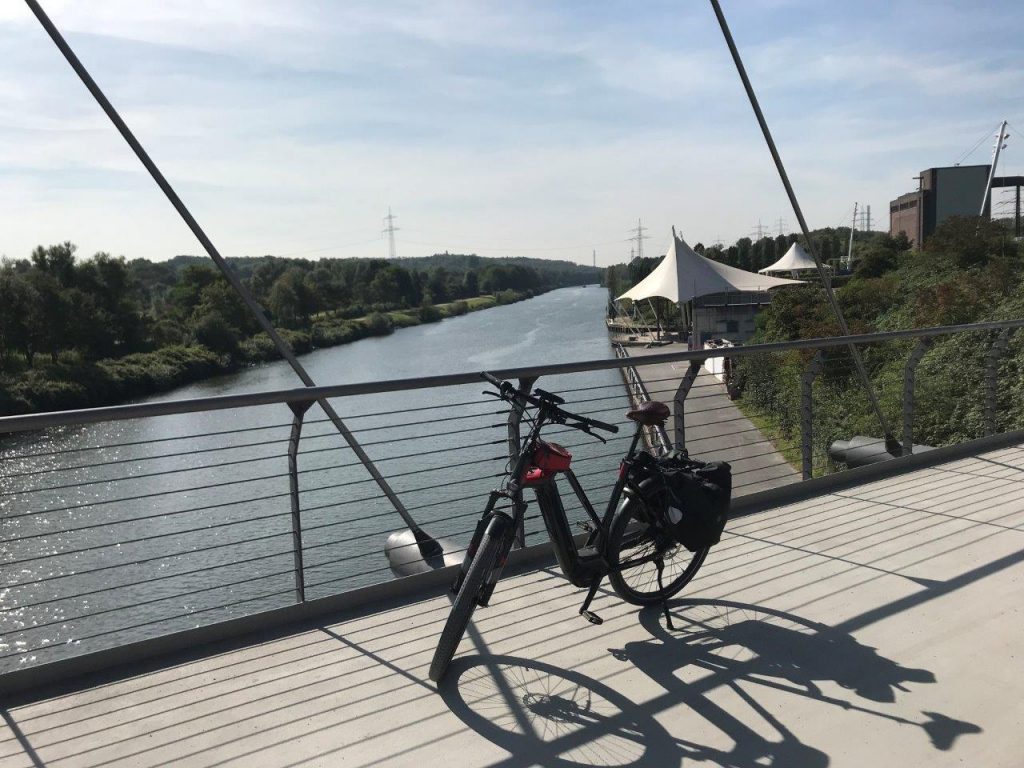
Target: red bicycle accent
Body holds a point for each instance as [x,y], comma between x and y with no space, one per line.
[547,460]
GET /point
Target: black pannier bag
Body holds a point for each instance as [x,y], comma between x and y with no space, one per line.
[692,497]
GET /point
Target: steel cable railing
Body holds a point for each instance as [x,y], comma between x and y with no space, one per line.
[207,511]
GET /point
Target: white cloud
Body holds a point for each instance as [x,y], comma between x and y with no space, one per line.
[292,126]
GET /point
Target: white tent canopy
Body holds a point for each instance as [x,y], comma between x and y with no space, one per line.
[796,258]
[684,274]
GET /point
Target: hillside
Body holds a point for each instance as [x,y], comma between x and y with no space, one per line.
[965,274]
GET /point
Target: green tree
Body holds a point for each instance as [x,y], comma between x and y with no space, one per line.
[293,297]
[215,333]
[92,333]
[58,261]
[470,284]
[438,285]
[970,241]
[187,294]
[15,300]
[49,317]
[220,298]
[283,302]
[744,256]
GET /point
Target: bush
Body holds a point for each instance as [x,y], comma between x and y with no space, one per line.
[257,349]
[214,332]
[378,324]
[406,319]
[457,308]
[430,314]
[331,335]
[60,387]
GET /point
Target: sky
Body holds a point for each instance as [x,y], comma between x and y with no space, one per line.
[543,129]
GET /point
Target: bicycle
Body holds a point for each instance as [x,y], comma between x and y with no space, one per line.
[630,543]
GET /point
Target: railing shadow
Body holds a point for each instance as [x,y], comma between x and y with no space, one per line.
[28,750]
[549,716]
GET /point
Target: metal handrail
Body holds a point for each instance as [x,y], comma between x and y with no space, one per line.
[35,421]
[198,555]
[638,392]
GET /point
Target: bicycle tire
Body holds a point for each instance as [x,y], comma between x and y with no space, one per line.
[465,601]
[681,565]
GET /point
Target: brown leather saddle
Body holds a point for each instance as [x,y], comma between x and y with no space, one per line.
[650,413]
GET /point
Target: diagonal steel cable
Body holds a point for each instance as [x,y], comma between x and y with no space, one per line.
[282,346]
[891,444]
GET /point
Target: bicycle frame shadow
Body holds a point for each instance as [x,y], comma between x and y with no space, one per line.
[544,715]
[737,643]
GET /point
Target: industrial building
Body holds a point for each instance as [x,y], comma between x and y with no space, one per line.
[945,192]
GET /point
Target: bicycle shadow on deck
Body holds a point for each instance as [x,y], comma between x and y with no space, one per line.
[553,717]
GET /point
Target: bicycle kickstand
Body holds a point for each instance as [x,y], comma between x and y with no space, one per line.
[660,565]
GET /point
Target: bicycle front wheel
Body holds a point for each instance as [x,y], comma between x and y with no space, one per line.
[633,538]
[465,601]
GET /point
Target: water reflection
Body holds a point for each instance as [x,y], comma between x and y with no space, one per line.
[121,531]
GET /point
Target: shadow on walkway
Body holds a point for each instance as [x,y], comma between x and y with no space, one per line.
[553,717]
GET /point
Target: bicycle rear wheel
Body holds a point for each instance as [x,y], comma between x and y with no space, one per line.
[632,537]
[465,602]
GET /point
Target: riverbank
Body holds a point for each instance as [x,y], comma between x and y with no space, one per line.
[70,383]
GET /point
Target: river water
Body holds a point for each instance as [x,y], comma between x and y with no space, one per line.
[125,530]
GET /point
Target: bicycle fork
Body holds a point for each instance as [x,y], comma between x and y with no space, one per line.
[489,523]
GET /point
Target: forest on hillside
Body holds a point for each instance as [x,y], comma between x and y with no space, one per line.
[77,332]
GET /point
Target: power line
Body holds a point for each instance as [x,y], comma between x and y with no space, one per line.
[512,247]
[639,237]
[973,149]
[864,219]
[390,230]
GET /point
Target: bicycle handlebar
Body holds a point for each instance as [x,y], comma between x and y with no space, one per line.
[507,391]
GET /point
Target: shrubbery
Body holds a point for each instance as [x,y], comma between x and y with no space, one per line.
[430,314]
[62,386]
[72,382]
[965,274]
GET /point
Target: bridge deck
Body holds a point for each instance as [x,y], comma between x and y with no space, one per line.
[880,625]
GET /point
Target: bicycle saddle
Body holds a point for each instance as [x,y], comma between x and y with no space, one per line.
[650,413]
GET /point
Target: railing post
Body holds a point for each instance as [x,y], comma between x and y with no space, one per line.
[298,413]
[515,418]
[807,415]
[992,358]
[679,403]
[909,371]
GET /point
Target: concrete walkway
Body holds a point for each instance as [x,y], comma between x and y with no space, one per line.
[877,626]
[715,427]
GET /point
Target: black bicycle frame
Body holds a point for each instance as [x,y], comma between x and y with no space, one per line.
[582,567]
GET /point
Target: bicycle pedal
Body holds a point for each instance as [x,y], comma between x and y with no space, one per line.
[585,525]
[592,617]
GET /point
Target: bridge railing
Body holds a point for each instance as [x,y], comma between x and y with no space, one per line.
[133,522]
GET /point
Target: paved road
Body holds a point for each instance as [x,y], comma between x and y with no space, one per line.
[715,427]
